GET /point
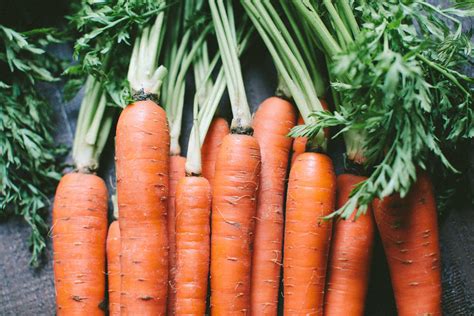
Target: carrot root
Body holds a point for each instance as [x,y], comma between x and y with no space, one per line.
[409,231]
[233,210]
[273,121]
[350,256]
[193,205]
[113,268]
[142,158]
[311,195]
[79,239]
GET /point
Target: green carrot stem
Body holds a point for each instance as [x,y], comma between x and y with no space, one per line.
[226,38]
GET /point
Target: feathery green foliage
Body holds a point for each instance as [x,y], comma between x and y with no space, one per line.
[28,164]
[402,91]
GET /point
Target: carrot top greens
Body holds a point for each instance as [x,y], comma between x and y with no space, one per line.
[29,168]
[403,99]
[294,57]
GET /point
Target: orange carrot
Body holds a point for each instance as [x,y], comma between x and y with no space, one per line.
[409,231]
[142,158]
[274,119]
[193,206]
[217,131]
[233,209]
[299,143]
[79,238]
[350,256]
[176,173]
[311,195]
[113,268]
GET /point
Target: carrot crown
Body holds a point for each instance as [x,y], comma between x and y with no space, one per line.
[293,58]
[144,74]
[224,25]
[207,98]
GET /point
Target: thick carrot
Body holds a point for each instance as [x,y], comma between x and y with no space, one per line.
[142,158]
[176,173]
[217,131]
[299,143]
[349,257]
[233,209]
[113,268]
[193,206]
[311,195]
[409,231]
[274,119]
[79,238]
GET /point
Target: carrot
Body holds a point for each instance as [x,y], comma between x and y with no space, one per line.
[113,268]
[350,256]
[193,206]
[236,181]
[176,173]
[311,195]
[272,122]
[142,158]
[218,129]
[234,203]
[79,237]
[408,228]
[299,143]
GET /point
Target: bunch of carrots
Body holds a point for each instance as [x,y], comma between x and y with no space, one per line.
[249,212]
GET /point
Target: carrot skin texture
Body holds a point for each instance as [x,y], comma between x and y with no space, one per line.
[311,195]
[409,231]
[217,131]
[142,160]
[233,209]
[79,237]
[272,122]
[177,171]
[299,143]
[193,207]
[113,268]
[350,256]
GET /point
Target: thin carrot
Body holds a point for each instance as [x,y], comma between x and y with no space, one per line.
[79,237]
[176,172]
[409,231]
[350,256]
[113,268]
[299,143]
[142,160]
[217,131]
[311,195]
[272,122]
[193,207]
